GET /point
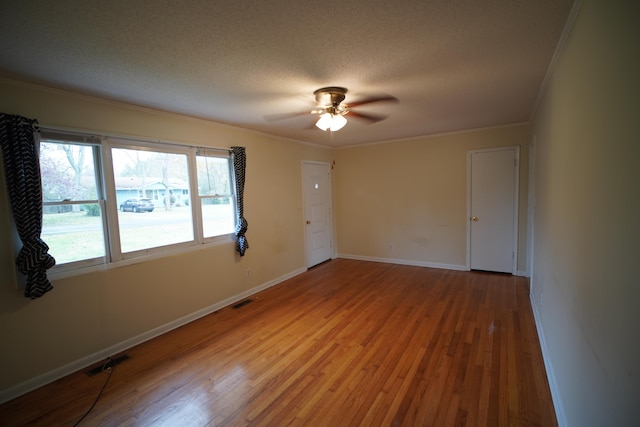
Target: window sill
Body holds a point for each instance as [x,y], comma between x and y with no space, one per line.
[64,273]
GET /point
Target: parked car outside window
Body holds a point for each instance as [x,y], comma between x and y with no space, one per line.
[137,205]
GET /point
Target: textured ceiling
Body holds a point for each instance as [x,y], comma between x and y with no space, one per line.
[453,65]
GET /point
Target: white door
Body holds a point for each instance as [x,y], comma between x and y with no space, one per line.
[493,210]
[317,211]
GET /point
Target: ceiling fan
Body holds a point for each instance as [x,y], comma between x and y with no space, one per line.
[332,111]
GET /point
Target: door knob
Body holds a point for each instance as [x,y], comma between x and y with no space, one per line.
[474,218]
[308,222]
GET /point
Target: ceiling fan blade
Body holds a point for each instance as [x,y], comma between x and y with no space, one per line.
[379,98]
[284,116]
[372,118]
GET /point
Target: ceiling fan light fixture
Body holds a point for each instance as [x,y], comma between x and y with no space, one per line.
[332,122]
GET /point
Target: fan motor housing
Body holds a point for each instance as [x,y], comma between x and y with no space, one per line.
[330,96]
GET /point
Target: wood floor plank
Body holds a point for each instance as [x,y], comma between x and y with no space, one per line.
[349,343]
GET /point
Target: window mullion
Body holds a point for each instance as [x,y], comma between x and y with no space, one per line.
[112,227]
[195,202]
[101,193]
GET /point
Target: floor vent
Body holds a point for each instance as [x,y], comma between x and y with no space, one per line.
[242,303]
[108,364]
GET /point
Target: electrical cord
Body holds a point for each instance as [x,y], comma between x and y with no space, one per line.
[106,367]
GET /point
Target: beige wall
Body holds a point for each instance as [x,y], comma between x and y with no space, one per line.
[585,285]
[586,230]
[87,314]
[412,194]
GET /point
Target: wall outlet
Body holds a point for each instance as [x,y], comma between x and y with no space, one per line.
[390,247]
[249,272]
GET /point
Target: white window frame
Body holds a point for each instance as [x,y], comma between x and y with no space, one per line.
[105,187]
[116,250]
[95,143]
[209,152]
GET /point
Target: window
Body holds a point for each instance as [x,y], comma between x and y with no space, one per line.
[72,220]
[152,209]
[214,192]
[107,199]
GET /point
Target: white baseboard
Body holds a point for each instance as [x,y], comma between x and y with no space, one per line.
[405,262]
[417,263]
[84,362]
[555,395]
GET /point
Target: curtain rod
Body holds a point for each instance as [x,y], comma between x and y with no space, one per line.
[124,137]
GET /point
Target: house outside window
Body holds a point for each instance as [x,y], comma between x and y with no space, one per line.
[140,175]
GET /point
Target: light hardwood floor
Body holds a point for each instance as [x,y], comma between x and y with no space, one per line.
[348,343]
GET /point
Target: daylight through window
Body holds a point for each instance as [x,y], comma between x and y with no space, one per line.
[108,200]
[214,192]
[153,211]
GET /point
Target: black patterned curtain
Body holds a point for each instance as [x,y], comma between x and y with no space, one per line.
[19,140]
[239,168]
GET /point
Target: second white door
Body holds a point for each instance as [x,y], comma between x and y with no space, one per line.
[493,195]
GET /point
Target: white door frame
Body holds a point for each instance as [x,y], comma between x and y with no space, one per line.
[531,206]
[304,213]
[516,148]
